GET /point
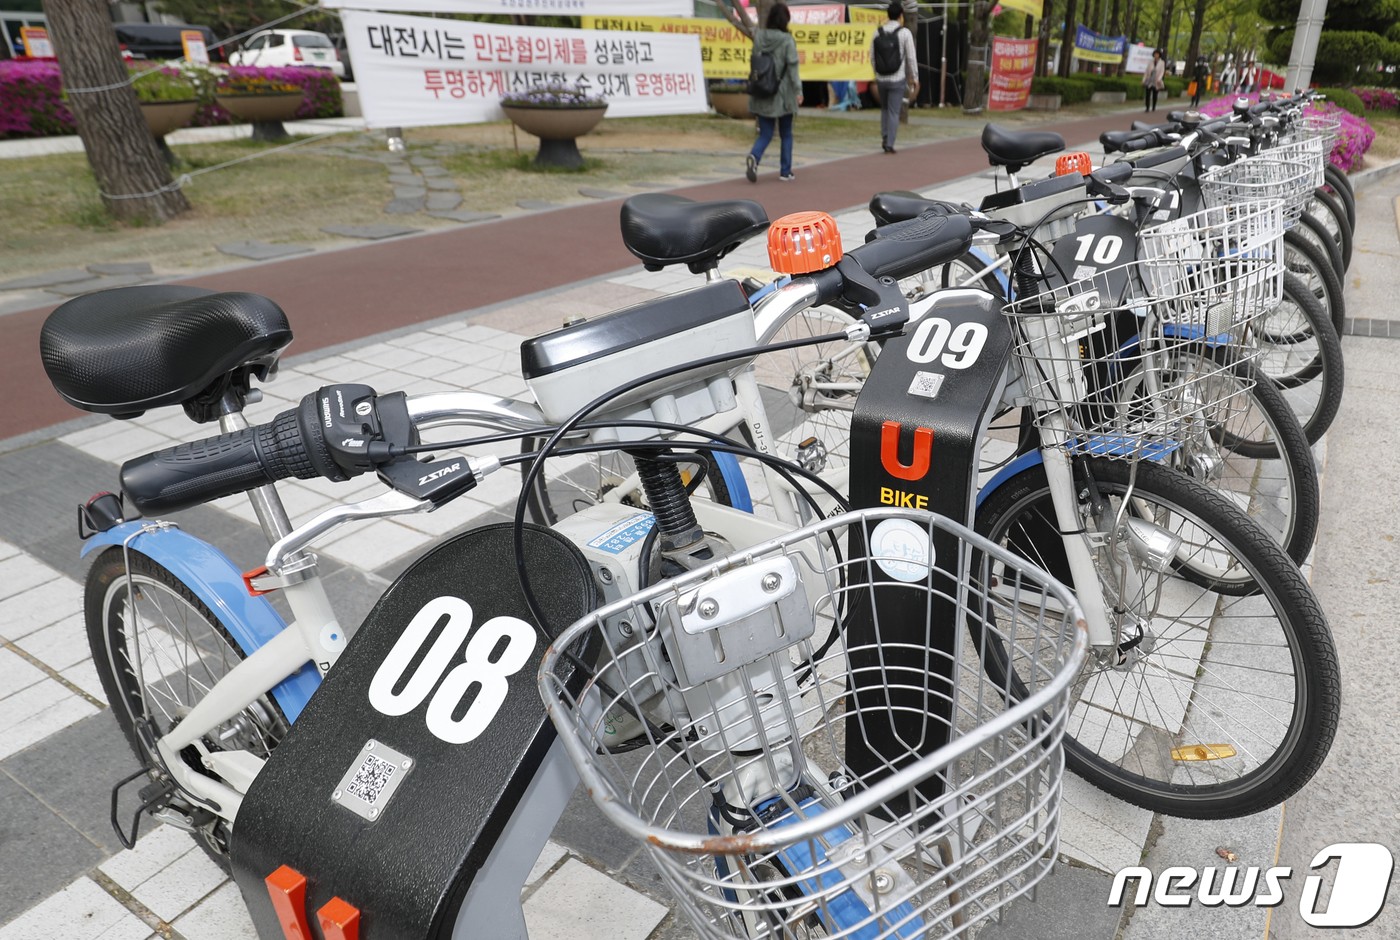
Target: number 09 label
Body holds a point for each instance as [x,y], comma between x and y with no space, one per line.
[476,670]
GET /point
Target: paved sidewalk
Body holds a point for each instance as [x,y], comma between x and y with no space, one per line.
[61,871]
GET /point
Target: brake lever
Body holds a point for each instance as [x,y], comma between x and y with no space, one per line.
[885,308]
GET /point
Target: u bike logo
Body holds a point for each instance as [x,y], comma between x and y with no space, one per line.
[918,465]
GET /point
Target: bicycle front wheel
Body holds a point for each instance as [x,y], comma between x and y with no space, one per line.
[1306,259]
[1301,353]
[158,651]
[1212,704]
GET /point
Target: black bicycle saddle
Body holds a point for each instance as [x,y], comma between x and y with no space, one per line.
[1017,149]
[129,349]
[662,229]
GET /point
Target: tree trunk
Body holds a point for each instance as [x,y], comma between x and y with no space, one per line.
[1042,48]
[120,149]
[1194,50]
[979,51]
[1165,30]
[1067,40]
[1113,30]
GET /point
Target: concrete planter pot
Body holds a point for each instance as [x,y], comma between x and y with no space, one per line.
[162,117]
[1043,103]
[733,104]
[265,112]
[1108,97]
[558,130]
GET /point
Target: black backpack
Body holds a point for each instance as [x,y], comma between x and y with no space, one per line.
[763,75]
[889,59]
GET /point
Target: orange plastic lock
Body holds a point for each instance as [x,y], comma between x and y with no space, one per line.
[340,920]
[287,888]
[1077,162]
[803,242]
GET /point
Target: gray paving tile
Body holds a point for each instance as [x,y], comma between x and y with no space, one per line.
[409,192]
[97,283]
[261,251]
[404,206]
[47,279]
[537,204]
[38,851]
[376,231]
[588,833]
[443,202]
[649,184]
[442,184]
[465,215]
[595,193]
[1069,905]
[74,771]
[432,171]
[121,267]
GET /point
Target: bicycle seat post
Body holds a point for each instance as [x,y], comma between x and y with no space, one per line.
[267,504]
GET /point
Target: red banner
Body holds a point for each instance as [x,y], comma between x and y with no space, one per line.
[1013,67]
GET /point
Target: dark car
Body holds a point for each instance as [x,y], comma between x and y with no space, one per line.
[161,40]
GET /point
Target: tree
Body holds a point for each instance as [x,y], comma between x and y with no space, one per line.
[120,149]
[1193,49]
[1353,36]
[745,21]
[1067,40]
[231,17]
[979,50]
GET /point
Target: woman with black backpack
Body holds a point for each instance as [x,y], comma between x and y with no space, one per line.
[775,90]
[896,71]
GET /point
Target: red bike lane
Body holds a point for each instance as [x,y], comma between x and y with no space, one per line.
[334,297]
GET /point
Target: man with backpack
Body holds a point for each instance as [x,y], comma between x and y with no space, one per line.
[896,71]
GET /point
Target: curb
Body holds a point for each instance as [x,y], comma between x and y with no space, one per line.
[1375,174]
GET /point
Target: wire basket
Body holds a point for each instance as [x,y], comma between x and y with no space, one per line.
[1236,249]
[1260,179]
[725,719]
[1113,366]
[1323,125]
[1310,150]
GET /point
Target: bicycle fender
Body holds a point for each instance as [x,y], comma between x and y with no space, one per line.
[218,582]
[1024,461]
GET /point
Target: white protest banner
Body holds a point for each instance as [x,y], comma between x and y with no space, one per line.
[564,7]
[413,71]
[1139,58]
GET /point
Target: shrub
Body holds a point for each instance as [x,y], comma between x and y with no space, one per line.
[1070,90]
[153,85]
[1174,85]
[31,100]
[320,90]
[1345,99]
[1378,99]
[1354,137]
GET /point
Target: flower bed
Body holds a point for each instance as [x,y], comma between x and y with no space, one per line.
[1378,99]
[31,96]
[1353,139]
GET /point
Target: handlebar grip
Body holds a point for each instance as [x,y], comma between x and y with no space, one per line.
[189,474]
[905,248]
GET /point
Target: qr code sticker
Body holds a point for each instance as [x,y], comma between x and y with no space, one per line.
[1084,271]
[371,778]
[926,384]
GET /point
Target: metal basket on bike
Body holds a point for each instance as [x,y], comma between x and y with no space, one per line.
[1321,125]
[720,720]
[1126,364]
[1260,179]
[1310,150]
[1231,254]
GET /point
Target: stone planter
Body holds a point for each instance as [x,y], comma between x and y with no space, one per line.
[162,117]
[558,130]
[265,112]
[1108,97]
[733,104]
[1043,103]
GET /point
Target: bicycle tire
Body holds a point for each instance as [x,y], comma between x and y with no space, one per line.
[190,640]
[1329,211]
[1308,262]
[1311,228]
[1340,184]
[1221,667]
[553,498]
[1267,466]
[1310,372]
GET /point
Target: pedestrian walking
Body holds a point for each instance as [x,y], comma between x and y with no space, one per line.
[775,90]
[1229,79]
[1152,79]
[1198,80]
[896,71]
[1248,75]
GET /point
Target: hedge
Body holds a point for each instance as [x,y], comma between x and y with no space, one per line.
[31,96]
[1070,90]
[1345,99]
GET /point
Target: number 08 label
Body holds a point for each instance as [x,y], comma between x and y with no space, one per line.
[476,670]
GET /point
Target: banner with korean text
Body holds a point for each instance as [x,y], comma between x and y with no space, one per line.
[1138,59]
[1092,47]
[414,71]
[869,16]
[1033,7]
[824,53]
[1013,67]
[563,7]
[828,13]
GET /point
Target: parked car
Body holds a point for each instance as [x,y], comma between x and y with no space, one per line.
[277,47]
[160,40]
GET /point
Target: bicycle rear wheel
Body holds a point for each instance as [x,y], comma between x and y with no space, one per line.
[1307,261]
[1328,210]
[159,664]
[1301,353]
[1339,184]
[1213,705]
